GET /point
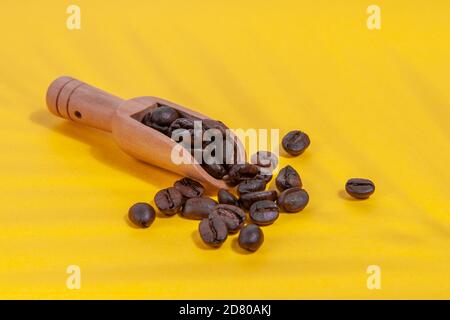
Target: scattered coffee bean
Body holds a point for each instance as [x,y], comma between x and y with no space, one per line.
[141,214]
[251,185]
[295,142]
[264,159]
[293,200]
[265,177]
[360,188]
[189,188]
[225,197]
[213,231]
[241,172]
[251,237]
[198,208]
[288,178]
[169,201]
[264,212]
[234,217]
[248,199]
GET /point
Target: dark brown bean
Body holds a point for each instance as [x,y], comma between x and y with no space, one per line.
[360,188]
[213,231]
[295,142]
[264,159]
[288,178]
[248,199]
[234,217]
[214,124]
[293,200]
[169,201]
[181,123]
[226,197]
[251,185]
[251,237]
[198,208]
[241,172]
[161,118]
[264,212]
[265,177]
[217,171]
[164,115]
[141,214]
[189,188]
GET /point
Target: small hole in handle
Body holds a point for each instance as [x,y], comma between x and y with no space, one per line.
[78,114]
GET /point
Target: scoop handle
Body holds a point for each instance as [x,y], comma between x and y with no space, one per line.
[77,101]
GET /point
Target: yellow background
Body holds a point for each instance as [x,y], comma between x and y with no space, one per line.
[375,104]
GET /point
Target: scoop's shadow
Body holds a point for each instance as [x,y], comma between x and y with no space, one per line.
[103,148]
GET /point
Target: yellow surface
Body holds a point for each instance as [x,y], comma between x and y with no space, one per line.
[375,104]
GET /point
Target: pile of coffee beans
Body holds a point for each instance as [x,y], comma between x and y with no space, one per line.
[228,215]
[168,120]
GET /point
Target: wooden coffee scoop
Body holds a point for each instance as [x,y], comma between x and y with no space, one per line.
[74,100]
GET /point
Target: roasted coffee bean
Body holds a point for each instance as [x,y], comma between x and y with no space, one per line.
[295,142]
[293,200]
[225,197]
[241,172]
[265,177]
[169,201]
[251,237]
[264,159]
[184,126]
[142,214]
[360,188]
[213,231]
[214,124]
[181,123]
[252,185]
[147,119]
[234,217]
[164,115]
[215,170]
[198,208]
[163,129]
[189,188]
[248,199]
[288,178]
[161,118]
[264,212]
